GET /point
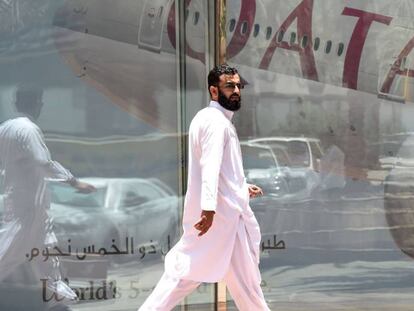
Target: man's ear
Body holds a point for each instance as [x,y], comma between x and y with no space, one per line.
[213,92]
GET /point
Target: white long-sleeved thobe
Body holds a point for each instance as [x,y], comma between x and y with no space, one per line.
[26,164]
[216,182]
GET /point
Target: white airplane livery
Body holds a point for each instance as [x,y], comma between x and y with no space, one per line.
[361,45]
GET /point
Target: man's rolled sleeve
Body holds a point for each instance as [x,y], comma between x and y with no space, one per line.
[213,141]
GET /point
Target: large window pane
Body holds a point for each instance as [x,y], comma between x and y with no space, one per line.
[106,74]
[339,190]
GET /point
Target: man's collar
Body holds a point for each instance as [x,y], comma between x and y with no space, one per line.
[229,114]
[24,115]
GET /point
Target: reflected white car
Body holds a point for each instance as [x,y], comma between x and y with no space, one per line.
[262,169]
[125,214]
[303,152]
[299,159]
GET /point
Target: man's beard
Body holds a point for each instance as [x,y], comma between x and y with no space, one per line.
[229,103]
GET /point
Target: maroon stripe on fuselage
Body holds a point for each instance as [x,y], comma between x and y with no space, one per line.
[239,40]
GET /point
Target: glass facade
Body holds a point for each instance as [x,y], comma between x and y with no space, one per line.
[105,90]
[326,133]
[104,76]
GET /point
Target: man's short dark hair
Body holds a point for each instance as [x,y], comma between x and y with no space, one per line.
[28,98]
[217,71]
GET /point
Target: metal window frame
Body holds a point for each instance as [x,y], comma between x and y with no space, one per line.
[215,54]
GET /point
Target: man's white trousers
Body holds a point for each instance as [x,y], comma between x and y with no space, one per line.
[242,280]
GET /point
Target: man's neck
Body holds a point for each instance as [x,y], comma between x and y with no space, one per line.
[228,113]
[20,114]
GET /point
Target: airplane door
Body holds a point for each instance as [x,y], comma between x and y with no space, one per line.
[397,90]
[395,76]
[151,24]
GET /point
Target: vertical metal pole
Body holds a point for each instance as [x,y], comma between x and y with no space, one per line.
[221,40]
[181,94]
[210,36]
[220,58]
[180,54]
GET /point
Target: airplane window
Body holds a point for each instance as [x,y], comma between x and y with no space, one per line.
[316,44]
[403,63]
[268,33]
[161,9]
[244,28]
[280,36]
[232,24]
[256,30]
[304,41]
[196,17]
[328,46]
[341,47]
[292,38]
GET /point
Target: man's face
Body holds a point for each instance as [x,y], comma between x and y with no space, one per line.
[229,92]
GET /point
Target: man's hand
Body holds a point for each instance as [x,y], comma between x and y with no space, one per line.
[205,222]
[82,187]
[255,191]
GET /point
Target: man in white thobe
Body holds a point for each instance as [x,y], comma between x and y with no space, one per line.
[26,164]
[222,245]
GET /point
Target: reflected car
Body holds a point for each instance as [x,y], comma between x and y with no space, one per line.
[388,148]
[300,159]
[144,211]
[126,214]
[402,158]
[314,228]
[262,169]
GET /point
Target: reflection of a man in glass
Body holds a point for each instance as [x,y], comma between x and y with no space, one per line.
[26,165]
